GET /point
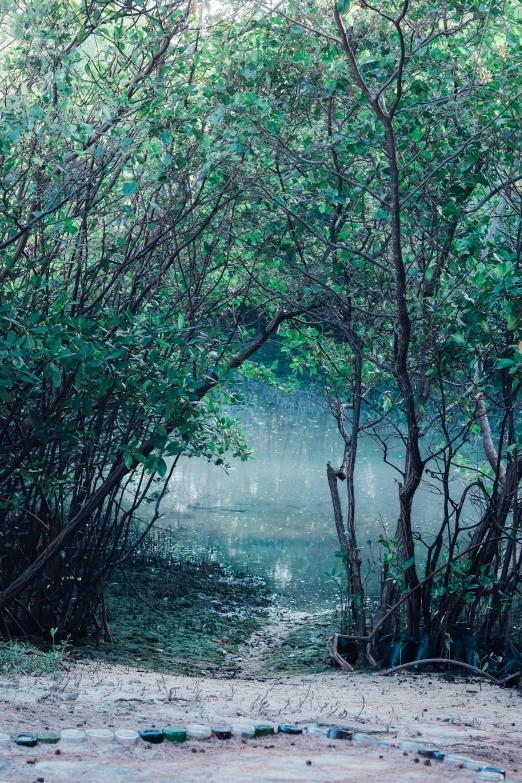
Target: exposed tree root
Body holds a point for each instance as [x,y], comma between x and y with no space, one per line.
[440,660]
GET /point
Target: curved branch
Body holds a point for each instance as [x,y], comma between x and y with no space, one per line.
[442,660]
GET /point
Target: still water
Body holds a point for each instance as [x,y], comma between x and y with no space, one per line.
[272,515]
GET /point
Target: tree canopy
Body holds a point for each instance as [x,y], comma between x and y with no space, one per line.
[178,189]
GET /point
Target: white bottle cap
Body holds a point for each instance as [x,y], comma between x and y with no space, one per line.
[199,731]
[100,736]
[126,736]
[72,736]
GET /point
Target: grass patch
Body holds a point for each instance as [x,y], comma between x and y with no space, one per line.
[22,658]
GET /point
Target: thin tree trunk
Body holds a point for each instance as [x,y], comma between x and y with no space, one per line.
[348,537]
[333,477]
[355,561]
[414,463]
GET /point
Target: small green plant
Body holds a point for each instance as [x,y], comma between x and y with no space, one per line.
[22,658]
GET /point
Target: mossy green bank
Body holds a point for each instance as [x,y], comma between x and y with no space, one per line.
[182,618]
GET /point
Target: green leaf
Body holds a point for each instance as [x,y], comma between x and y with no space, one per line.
[408,563]
[343,6]
[449,210]
[55,375]
[513,319]
[35,420]
[130,188]
[161,467]
[181,320]
[150,463]
[459,338]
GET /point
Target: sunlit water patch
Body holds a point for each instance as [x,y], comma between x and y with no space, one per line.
[272,515]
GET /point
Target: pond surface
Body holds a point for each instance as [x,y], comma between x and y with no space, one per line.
[272,515]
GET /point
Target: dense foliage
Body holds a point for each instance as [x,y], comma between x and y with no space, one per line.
[120,298]
[347,176]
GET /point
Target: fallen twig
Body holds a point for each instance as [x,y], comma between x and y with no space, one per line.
[362,709]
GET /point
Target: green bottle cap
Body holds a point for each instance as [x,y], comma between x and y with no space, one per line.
[174,733]
[48,738]
[25,740]
[154,736]
[264,730]
[289,728]
[339,734]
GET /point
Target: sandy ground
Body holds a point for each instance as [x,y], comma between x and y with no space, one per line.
[469,717]
[472,718]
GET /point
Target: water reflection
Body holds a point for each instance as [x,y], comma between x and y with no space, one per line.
[272,515]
